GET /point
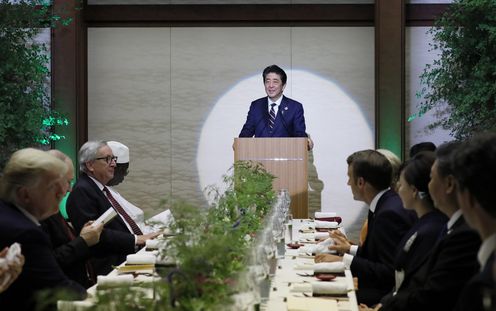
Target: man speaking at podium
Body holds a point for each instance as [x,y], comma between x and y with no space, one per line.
[275,115]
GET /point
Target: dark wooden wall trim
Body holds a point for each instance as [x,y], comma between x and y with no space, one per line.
[231,14]
[68,77]
[261,15]
[424,14]
[390,75]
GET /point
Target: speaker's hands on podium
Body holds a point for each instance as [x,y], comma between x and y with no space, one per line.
[310,143]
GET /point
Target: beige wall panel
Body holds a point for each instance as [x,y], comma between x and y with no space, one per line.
[129,101]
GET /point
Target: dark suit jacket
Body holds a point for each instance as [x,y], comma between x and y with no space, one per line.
[87,202]
[479,287]
[440,279]
[426,231]
[71,254]
[40,270]
[373,264]
[290,121]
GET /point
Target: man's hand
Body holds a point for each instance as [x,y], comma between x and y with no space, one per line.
[149,236]
[363,307]
[327,258]
[341,243]
[309,143]
[91,233]
[9,271]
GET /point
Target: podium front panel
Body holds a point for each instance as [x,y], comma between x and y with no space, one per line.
[286,159]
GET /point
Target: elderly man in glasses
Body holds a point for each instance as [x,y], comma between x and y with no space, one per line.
[90,198]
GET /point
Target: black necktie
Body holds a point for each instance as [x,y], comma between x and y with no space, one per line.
[272,115]
[120,210]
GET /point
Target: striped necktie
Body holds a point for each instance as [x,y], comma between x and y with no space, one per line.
[272,115]
[136,230]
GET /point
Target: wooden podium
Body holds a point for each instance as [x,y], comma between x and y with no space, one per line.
[285,158]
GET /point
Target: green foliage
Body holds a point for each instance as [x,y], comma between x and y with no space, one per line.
[210,247]
[24,75]
[461,83]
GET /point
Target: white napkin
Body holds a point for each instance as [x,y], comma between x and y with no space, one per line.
[12,258]
[326,224]
[75,305]
[301,288]
[141,259]
[329,288]
[329,267]
[320,248]
[321,235]
[324,215]
[163,219]
[153,244]
[304,266]
[307,236]
[106,281]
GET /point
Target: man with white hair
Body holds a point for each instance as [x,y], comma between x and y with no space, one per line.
[31,188]
[90,198]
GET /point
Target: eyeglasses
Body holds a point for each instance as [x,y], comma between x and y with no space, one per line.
[108,159]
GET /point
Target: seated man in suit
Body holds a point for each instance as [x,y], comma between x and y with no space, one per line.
[90,198]
[31,188]
[370,174]
[72,251]
[275,115]
[452,260]
[474,167]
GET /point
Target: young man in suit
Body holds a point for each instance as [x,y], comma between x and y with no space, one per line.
[31,188]
[452,260]
[369,177]
[90,198]
[475,170]
[275,115]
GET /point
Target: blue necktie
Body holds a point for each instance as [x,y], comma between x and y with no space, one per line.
[272,115]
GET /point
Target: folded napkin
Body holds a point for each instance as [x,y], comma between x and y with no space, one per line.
[329,288]
[320,248]
[311,304]
[304,266]
[329,267]
[75,305]
[321,235]
[307,237]
[140,259]
[326,224]
[301,288]
[106,281]
[324,215]
[154,244]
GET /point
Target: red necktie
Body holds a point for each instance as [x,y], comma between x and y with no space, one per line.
[120,210]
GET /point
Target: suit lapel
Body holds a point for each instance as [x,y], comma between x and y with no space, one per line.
[104,202]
